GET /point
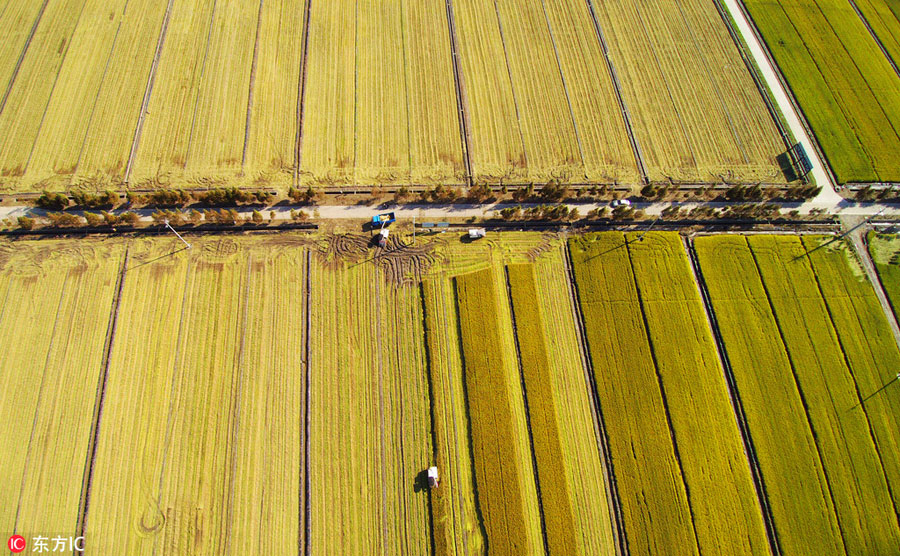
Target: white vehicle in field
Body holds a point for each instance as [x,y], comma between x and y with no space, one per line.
[620,203]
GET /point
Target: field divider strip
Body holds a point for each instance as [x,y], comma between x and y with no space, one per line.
[790,359]
[662,392]
[303,544]
[429,370]
[250,87]
[534,466]
[859,394]
[512,86]
[148,91]
[612,492]
[15,72]
[461,100]
[301,92]
[736,403]
[84,502]
[620,98]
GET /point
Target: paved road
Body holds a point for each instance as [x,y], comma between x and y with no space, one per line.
[828,196]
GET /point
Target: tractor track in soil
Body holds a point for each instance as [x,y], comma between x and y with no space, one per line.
[612,491]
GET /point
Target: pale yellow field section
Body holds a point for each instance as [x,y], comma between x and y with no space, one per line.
[200,444]
[695,110]
[379,104]
[55,300]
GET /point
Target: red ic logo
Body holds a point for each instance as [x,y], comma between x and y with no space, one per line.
[16,544]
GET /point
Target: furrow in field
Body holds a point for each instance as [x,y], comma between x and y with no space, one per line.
[19,21]
[798,491]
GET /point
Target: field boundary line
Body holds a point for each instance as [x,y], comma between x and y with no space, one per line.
[429,370]
[22,54]
[461,100]
[754,71]
[403,34]
[512,86]
[237,405]
[875,37]
[301,93]
[859,394]
[303,545]
[201,82]
[602,438]
[112,325]
[521,369]
[663,395]
[617,87]
[151,79]
[37,406]
[737,405]
[251,86]
[790,359]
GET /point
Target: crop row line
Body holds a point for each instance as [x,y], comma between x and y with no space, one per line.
[800,392]
[303,544]
[209,33]
[740,416]
[612,491]
[301,91]
[15,73]
[520,367]
[259,18]
[512,86]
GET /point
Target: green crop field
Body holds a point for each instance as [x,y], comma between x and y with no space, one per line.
[284,392]
[141,95]
[845,86]
[885,253]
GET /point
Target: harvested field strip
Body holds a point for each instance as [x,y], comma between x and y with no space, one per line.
[649,481]
[796,486]
[457,527]
[18,19]
[727,516]
[56,151]
[844,84]
[498,457]
[216,402]
[103,157]
[30,93]
[868,345]
[218,130]
[693,123]
[329,126]
[885,252]
[498,151]
[435,148]
[883,17]
[271,155]
[546,121]
[545,429]
[53,323]
[849,456]
[607,153]
[382,115]
[166,135]
[368,405]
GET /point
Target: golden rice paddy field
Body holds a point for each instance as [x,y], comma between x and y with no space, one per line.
[141,94]
[282,393]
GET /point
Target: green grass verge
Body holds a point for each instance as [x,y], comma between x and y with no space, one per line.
[651,489]
[548,450]
[792,472]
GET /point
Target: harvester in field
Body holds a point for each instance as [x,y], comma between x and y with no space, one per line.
[381,222]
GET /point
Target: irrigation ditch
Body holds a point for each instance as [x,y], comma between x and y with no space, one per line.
[736,404]
[304,529]
[461,99]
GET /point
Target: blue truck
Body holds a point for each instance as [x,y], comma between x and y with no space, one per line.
[382,220]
